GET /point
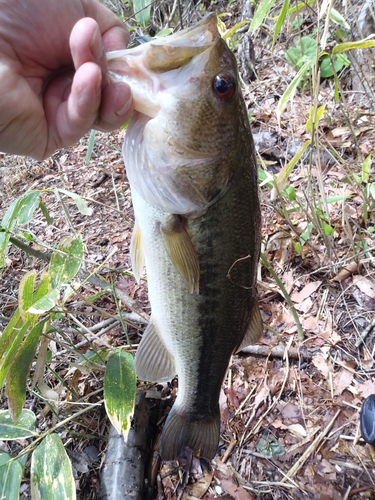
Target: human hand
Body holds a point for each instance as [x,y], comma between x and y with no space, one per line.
[54,83]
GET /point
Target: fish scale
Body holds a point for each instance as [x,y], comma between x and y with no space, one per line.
[193,175]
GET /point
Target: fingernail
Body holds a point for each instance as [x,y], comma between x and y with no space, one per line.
[96,45]
[125,108]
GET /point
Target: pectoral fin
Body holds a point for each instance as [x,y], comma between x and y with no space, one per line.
[181,251]
[255,330]
[136,252]
[153,362]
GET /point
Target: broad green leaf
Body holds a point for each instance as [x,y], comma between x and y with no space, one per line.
[46,303]
[13,342]
[289,92]
[366,168]
[26,292]
[23,428]
[21,209]
[120,384]
[28,206]
[260,14]
[79,201]
[28,297]
[142,11]
[327,229]
[10,478]
[286,170]
[330,65]
[51,474]
[7,336]
[19,370]
[64,266]
[7,224]
[280,22]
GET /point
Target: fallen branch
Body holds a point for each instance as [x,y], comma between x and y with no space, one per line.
[278,351]
[124,465]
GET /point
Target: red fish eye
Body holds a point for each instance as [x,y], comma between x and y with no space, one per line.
[224,86]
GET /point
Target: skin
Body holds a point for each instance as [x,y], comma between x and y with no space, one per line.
[54,84]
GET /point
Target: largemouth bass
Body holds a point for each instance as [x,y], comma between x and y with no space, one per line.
[190,161]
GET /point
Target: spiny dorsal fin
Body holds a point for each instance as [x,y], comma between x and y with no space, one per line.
[136,252]
[153,362]
[255,330]
[181,251]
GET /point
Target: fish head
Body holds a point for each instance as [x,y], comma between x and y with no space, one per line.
[185,141]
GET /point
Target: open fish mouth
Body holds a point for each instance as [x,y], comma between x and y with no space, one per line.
[142,67]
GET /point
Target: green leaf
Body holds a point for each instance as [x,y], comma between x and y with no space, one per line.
[164,32]
[90,147]
[292,87]
[13,339]
[366,168]
[229,33]
[120,384]
[372,189]
[28,205]
[79,201]
[339,19]
[361,44]
[51,473]
[64,266]
[26,293]
[314,118]
[46,213]
[286,170]
[21,210]
[46,303]
[142,11]
[327,229]
[10,478]
[19,370]
[280,22]
[260,14]
[23,428]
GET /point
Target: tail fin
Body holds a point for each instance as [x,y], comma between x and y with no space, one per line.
[201,435]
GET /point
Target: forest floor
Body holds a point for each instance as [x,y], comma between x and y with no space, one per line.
[290,409]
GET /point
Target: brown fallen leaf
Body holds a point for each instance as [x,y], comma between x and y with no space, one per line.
[306,291]
[345,272]
[366,285]
[342,380]
[323,365]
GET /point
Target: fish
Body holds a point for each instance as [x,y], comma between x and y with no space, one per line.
[191,164]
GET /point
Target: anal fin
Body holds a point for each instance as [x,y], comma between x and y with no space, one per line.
[136,252]
[181,251]
[153,362]
[255,329]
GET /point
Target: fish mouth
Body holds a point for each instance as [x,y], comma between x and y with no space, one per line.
[143,67]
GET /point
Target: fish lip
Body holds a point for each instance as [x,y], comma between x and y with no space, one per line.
[140,67]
